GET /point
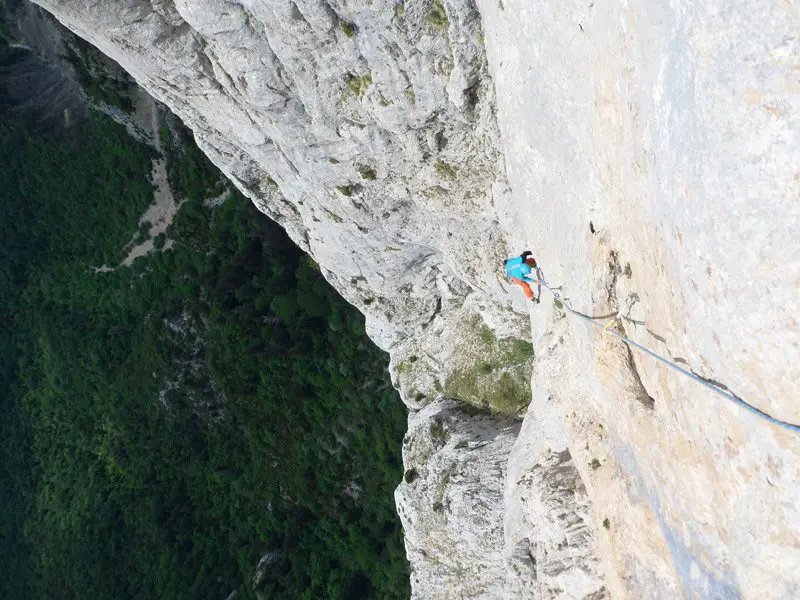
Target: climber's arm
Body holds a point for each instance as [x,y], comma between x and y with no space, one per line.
[531,277]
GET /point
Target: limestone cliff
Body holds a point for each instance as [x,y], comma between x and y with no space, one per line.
[647,153]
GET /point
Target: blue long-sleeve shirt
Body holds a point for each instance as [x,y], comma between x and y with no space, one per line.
[516,267]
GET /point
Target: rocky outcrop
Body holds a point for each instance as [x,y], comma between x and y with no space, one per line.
[451,500]
[647,155]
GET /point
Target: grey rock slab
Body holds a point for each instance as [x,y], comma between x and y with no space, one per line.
[652,149]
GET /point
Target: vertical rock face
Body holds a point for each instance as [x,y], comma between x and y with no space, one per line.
[656,150]
[451,500]
[368,131]
[550,538]
[652,157]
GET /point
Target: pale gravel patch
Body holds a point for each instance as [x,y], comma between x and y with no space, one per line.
[164,206]
[159,214]
[218,200]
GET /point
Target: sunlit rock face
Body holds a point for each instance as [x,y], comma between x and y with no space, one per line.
[653,149]
[648,155]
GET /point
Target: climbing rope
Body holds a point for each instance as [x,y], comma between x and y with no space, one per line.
[609,331]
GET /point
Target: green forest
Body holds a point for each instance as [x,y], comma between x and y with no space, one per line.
[169,426]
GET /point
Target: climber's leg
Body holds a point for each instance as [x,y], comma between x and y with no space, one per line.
[526,289]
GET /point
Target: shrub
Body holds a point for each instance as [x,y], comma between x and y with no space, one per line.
[439,435]
[345,190]
[437,17]
[357,85]
[367,173]
[445,170]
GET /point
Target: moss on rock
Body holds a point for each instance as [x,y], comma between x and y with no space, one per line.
[493,374]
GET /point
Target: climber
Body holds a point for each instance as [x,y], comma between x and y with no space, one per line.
[520,271]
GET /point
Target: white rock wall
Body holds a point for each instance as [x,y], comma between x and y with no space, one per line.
[650,149]
[672,128]
[451,501]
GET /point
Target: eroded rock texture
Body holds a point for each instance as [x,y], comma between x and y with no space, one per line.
[647,153]
[451,500]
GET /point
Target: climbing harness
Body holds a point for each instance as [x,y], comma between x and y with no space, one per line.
[608,330]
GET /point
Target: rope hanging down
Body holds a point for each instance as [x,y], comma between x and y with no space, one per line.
[717,390]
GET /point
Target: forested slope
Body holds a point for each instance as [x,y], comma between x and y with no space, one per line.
[167,426]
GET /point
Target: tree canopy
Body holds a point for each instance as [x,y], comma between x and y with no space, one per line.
[168,426]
